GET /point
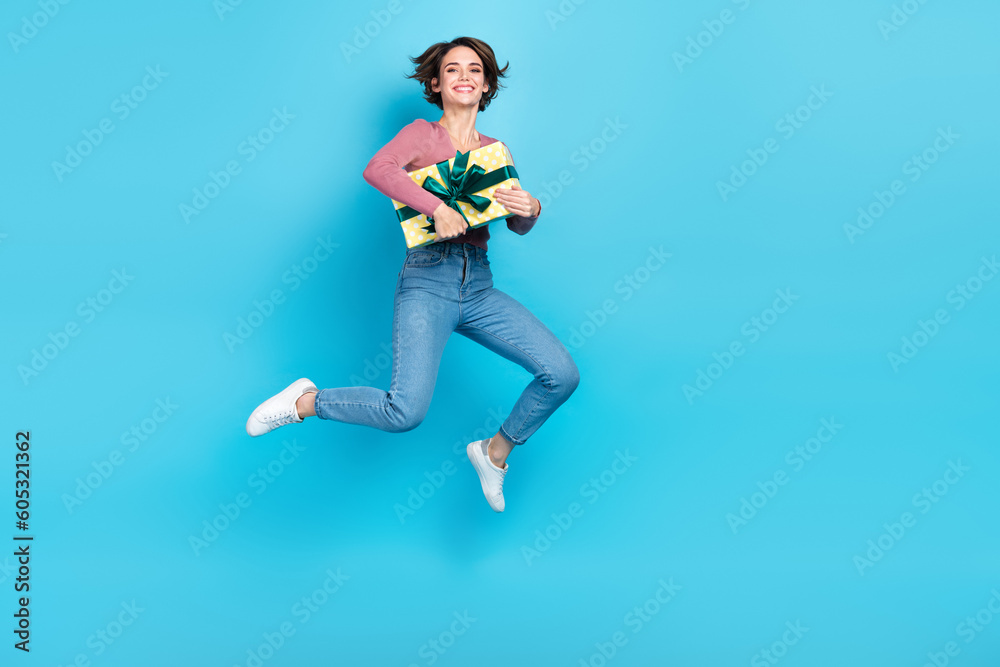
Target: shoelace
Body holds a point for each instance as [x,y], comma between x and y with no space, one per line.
[503,473]
[281,418]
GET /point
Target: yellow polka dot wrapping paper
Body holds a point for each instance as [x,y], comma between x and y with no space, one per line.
[467,183]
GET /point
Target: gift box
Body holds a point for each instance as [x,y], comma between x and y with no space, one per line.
[466,183]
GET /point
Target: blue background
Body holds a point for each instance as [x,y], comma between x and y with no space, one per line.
[654,185]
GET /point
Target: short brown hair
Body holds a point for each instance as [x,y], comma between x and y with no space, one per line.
[428,66]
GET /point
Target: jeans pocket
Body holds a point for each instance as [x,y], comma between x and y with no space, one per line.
[424,257]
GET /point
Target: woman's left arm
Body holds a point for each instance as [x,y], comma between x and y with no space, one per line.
[522,204]
[525,208]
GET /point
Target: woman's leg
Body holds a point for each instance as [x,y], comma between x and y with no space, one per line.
[423,319]
[500,323]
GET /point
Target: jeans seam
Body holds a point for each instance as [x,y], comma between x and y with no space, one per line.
[460,292]
[374,405]
[535,407]
[419,264]
[395,346]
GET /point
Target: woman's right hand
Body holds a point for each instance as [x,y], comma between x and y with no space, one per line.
[448,223]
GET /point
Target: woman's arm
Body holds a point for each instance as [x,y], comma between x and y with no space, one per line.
[521,222]
[385,171]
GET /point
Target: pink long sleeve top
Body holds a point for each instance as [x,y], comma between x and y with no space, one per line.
[418,145]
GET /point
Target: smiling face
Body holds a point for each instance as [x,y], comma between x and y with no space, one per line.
[461,81]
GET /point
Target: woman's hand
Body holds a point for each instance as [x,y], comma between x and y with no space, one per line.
[448,223]
[517,201]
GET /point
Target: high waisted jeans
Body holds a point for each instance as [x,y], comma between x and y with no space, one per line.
[441,288]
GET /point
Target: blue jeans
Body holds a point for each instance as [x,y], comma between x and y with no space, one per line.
[445,287]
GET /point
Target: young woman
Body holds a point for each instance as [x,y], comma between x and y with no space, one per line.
[447,285]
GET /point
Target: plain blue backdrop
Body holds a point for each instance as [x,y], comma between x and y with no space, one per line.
[807,402]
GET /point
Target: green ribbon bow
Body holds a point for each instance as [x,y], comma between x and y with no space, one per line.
[458,183]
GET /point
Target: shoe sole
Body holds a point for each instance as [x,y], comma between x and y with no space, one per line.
[474,460]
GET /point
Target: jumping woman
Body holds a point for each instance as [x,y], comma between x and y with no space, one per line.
[447,285]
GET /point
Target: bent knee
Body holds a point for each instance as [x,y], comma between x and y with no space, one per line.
[572,379]
[401,420]
[565,377]
[404,424]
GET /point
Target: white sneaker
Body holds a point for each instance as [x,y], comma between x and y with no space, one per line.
[490,476]
[279,409]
